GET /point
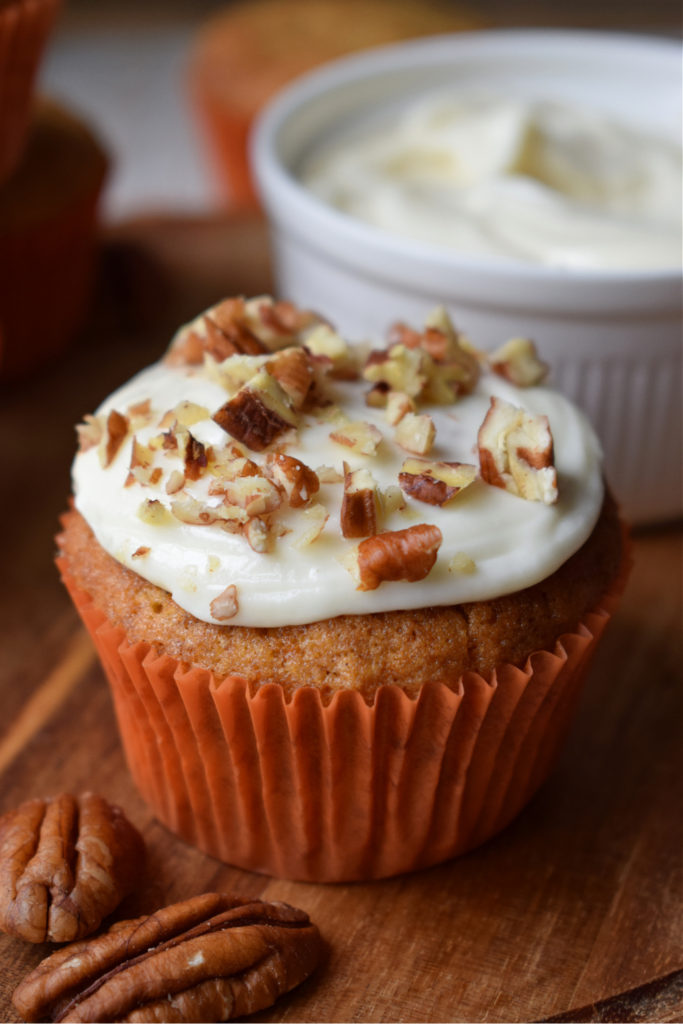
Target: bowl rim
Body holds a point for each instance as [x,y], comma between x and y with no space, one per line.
[288,200]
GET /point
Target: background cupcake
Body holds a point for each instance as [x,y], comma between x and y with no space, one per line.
[25,26]
[48,228]
[244,53]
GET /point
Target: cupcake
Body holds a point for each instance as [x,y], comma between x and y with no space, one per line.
[25,26]
[48,220]
[345,596]
[245,52]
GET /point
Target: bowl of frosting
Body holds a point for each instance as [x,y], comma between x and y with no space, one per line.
[528,180]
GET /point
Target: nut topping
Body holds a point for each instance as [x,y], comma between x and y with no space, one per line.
[89,432]
[516,452]
[115,434]
[398,555]
[210,958]
[435,482]
[259,412]
[65,864]
[195,457]
[399,367]
[357,435]
[293,370]
[415,433]
[359,504]
[518,362]
[297,480]
[226,605]
[397,406]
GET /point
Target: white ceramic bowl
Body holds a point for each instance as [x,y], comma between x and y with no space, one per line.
[613,338]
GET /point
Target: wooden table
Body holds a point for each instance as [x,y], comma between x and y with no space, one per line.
[578,900]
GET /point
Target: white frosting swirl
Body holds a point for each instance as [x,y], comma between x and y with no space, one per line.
[513,543]
[538,182]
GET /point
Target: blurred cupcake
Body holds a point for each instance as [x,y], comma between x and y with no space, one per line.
[246,52]
[48,218]
[345,607]
[25,26]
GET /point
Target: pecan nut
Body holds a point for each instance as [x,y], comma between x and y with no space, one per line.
[209,958]
[65,864]
[398,555]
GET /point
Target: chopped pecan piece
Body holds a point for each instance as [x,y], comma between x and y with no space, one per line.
[397,406]
[175,482]
[221,332]
[255,494]
[187,348]
[358,436]
[359,504]
[277,323]
[435,482]
[517,361]
[450,366]
[210,958]
[196,459]
[116,429]
[140,410]
[65,864]
[226,605]
[400,367]
[398,555]
[516,452]
[377,396]
[259,412]
[293,370]
[315,517]
[154,512]
[326,345]
[89,432]
[257,533]
[415,433]
[461,564]
[188,510]
[298,481]
[140,467]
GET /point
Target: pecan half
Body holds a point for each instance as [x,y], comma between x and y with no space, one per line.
[210,958]
[65,864]
[398,555]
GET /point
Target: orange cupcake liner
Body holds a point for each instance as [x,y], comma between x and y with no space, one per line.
[25,27]
[342,791]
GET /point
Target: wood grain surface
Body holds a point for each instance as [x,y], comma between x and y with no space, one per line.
[578,901]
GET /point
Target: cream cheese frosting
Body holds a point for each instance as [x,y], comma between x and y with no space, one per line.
[491,176]
[494,542]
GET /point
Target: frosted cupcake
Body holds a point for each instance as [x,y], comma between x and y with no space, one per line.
[345,598]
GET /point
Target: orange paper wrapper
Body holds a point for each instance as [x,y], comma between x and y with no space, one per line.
[25,26]
[344,791]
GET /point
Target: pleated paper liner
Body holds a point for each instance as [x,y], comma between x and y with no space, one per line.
[25,26]
[343,791]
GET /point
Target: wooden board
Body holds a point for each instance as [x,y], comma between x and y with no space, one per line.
[578,900]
